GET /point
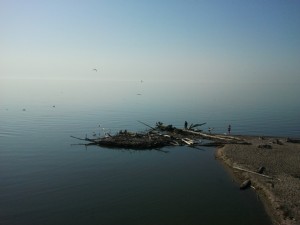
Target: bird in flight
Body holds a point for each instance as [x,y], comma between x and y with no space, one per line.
[95,70]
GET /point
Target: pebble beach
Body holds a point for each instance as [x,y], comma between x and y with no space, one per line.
[278,184]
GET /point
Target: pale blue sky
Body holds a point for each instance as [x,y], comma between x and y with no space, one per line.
[255,40]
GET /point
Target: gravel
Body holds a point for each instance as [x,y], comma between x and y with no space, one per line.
[281,160]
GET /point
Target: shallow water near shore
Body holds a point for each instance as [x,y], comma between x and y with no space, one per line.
[47,180]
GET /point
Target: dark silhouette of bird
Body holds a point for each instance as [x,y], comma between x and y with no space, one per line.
[95,70]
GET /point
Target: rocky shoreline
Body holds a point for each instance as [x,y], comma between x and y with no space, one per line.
[279,188]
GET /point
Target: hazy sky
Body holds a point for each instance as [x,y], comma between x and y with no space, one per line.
[154,39]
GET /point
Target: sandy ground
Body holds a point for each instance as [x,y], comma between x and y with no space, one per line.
[281,159]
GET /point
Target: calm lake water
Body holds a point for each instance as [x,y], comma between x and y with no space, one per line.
[45,179]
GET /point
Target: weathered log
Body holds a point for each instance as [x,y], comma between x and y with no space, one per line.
[261,169]
[187,141]
[192,126]
[249,171]
[147,125]
[84,139]
[213,137]
[246,184]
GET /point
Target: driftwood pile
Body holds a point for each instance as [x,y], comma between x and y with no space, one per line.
[163,135]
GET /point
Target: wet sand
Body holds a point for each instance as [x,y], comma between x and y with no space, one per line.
[280,191]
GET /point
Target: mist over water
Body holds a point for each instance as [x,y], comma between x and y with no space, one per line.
[251,108]
[47,180]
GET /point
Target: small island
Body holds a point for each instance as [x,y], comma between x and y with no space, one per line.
[161,136]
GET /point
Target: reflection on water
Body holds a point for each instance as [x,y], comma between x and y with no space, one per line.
[46,180]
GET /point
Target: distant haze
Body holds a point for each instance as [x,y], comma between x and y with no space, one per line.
[151,40]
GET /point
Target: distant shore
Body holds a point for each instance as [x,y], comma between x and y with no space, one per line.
[280,161]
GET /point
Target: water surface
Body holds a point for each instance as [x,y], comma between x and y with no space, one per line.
[47,180]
